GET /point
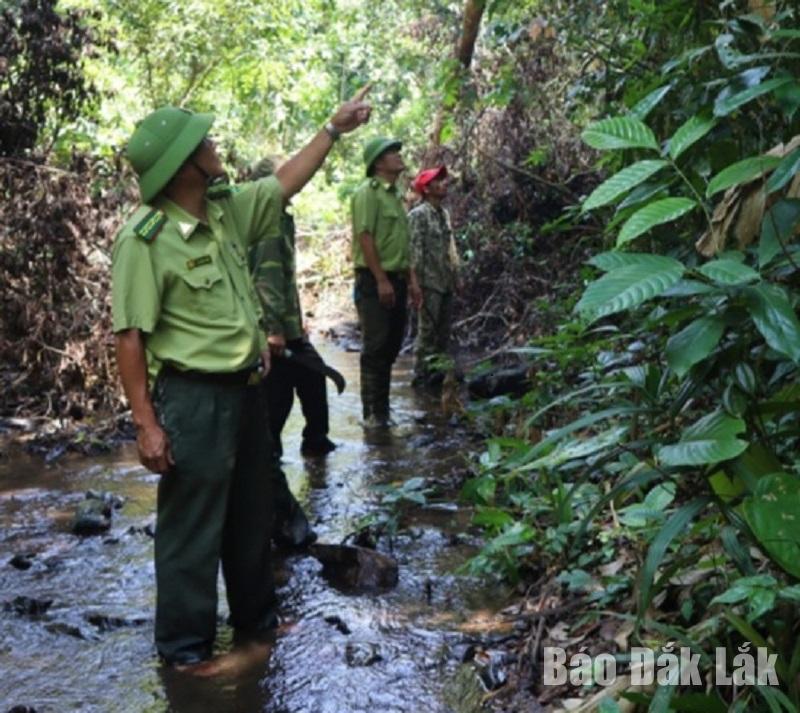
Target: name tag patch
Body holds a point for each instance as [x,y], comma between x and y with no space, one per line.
[198,262]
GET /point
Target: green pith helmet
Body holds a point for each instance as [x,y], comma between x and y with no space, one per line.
[377,146]
[160,144]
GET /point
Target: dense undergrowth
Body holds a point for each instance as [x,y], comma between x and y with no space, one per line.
[650,476]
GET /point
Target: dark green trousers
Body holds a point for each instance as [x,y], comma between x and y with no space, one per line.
[382,332]
[214,506]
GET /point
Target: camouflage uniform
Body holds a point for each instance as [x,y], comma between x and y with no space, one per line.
[273,264]
[435,260]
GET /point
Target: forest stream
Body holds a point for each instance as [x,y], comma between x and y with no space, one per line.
[338,650]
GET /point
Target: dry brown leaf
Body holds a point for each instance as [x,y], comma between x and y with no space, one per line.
[713,241]
[748,223]
[794,187]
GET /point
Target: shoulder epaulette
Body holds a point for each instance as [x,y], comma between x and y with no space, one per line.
[150,226]
[374,183]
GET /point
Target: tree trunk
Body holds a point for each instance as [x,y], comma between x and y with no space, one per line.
[473,13]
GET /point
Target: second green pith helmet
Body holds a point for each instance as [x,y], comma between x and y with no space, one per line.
[374,148]
[160,144]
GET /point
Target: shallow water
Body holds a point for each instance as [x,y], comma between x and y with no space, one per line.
[387,652]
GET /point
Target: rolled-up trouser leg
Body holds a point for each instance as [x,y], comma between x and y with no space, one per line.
[202,422]
[246,561]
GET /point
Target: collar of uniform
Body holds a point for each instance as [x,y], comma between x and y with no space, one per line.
[388,187]
[185,222]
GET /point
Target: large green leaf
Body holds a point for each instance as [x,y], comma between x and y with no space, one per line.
[775,318]
[622,132]
[650,102]
[627,287]
[693,343]
[728,272]
[661,211]
[777,226]
[785,172]
[712,439]
[690,132]
[615,259]
[773,513]
[727,104]
[741,172]
[677,524]
[621,182]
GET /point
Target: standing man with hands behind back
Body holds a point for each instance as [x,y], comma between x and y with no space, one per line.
[186,325]
[384,279]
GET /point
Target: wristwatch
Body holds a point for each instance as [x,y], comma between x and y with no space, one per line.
[333,132]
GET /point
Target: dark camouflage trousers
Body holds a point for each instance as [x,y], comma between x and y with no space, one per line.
[433,329]
[382,332]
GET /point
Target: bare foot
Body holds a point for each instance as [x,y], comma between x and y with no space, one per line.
[240,659]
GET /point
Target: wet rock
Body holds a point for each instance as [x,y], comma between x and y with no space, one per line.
[21,561]
[93,516]
[105,623]
[362,654]
[463,653]
[27,606]
[513,381]
[491,666]
[22,709]
[68,629]
[149,530]
[114,501]
[338,623]
[55,453]
[356,567]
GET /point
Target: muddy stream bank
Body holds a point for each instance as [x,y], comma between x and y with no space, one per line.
[77,612]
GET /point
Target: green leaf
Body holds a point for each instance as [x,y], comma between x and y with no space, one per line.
[607,705]
[690,132]
[492,518]
[758,591]
[728,272]
[650,102]
[615,259]
[712,439]
[627,287]
[623,132]
[661,211]
[728,104]
[621,182]
[784,172]
[775,318]
[777,226]
[579,448]
[677,524]
[741,172]
[693,343]
[773,514]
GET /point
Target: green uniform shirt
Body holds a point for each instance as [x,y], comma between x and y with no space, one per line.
[433,248]
[272,261]
[187,285]
[376,209]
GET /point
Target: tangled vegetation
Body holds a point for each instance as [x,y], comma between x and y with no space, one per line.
[627,201]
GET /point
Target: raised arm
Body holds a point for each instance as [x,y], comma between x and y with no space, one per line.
[298,170]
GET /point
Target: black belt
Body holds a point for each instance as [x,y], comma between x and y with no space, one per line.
[243,377]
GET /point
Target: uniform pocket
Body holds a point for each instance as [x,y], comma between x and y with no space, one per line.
[205,290]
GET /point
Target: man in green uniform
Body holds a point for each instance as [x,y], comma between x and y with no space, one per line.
[435,261]
[384,279]
[275,277]
[185,312]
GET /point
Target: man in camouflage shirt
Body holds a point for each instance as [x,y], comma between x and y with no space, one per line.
[435,262]
[275,278]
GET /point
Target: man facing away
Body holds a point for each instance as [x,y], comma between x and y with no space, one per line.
[435,262]
[185,314]
[296,365]
[384,278]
